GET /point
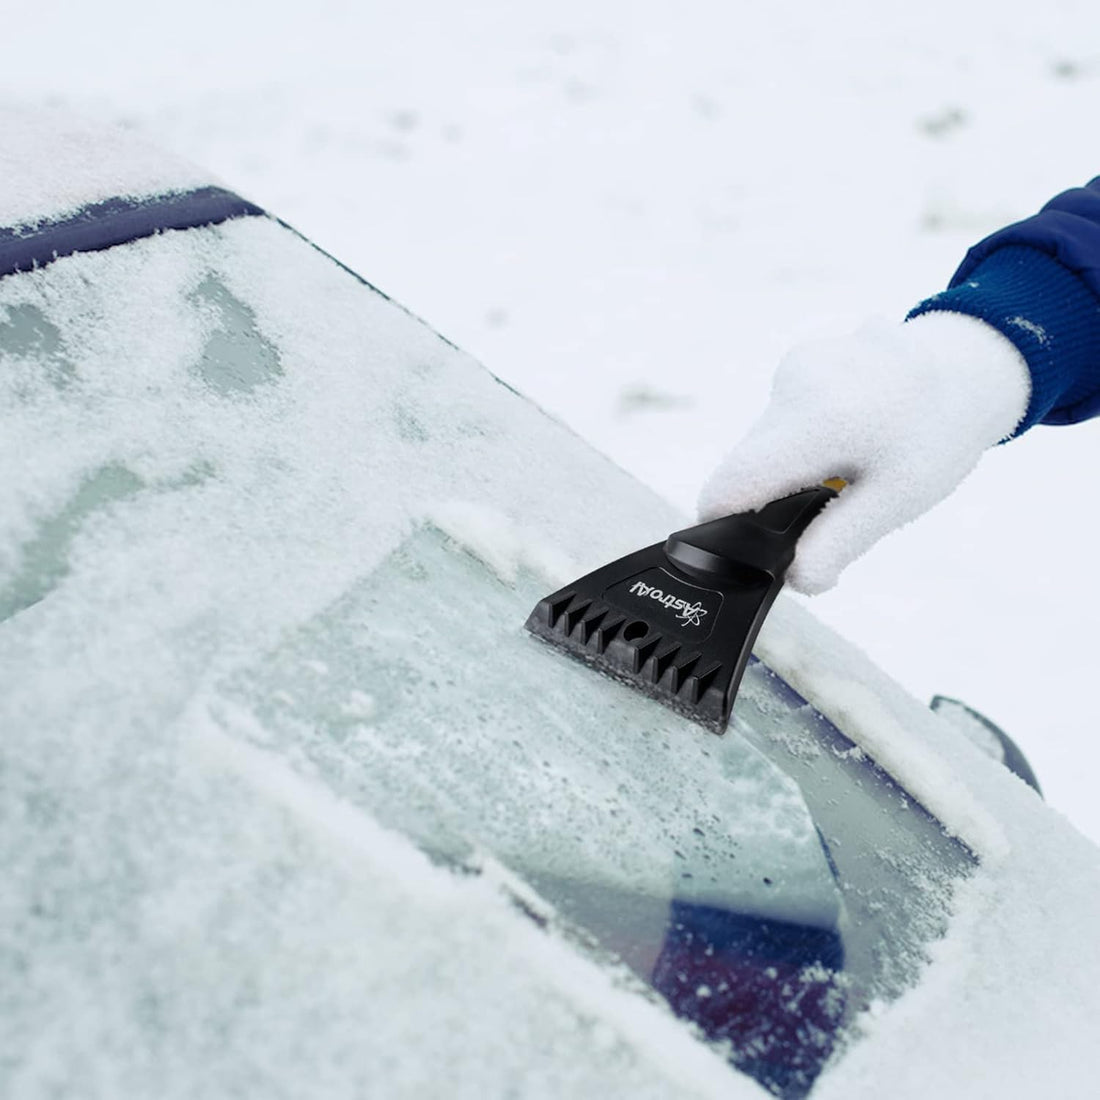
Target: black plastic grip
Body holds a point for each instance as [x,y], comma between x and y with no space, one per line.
[733,547]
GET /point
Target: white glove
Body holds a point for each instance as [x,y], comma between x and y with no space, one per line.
[901,412]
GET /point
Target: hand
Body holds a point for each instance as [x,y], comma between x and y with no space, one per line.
[900,412]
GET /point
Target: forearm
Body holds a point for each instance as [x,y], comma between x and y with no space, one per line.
[1038,283]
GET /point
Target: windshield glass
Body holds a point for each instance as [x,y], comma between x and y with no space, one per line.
[298,520]
[767,883]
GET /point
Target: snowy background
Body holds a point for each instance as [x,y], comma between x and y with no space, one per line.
[630,210]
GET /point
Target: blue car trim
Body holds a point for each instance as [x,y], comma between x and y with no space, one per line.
[116,221]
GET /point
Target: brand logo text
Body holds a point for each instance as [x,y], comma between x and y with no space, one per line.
[690,614]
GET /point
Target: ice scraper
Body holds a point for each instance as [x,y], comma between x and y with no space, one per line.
[678,619]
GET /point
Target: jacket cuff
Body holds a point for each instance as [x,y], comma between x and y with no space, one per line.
[1051,316]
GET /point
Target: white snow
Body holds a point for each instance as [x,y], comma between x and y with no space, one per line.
[881,719]
[500,542]
[87,162]
[1037,331]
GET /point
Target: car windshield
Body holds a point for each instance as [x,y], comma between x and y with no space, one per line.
[339,578]
[768,883]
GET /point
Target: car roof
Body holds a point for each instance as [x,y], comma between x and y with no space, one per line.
[53,163]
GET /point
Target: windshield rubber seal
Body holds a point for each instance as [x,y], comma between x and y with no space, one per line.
[116,221]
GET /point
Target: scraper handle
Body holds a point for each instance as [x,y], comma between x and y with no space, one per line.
[739,546]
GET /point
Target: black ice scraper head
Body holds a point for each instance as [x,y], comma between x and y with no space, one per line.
[679,618]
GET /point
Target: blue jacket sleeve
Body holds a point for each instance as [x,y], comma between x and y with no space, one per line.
[1038,282]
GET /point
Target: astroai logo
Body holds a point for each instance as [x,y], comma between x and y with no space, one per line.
[690,614]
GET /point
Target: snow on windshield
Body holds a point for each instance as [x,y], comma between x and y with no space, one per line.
[487,758]
[210,418]
[308,540]
[191,907]
[187,554]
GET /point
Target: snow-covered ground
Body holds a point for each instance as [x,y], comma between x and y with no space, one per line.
[629,210]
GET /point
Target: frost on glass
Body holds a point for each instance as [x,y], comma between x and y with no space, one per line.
[236,357]
[26,334]
[416,694]
[692,859]
[288,795]
[698,861]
